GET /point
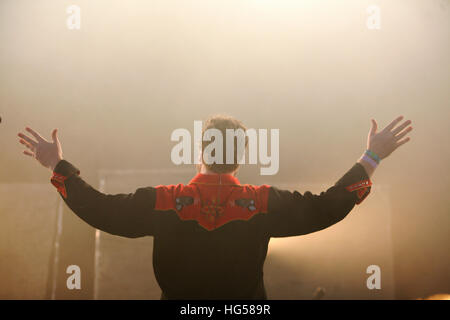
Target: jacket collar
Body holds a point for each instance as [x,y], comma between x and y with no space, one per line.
[215,179]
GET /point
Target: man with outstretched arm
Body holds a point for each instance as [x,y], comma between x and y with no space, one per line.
[211,235]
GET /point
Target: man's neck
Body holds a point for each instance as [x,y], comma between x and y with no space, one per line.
[205,170]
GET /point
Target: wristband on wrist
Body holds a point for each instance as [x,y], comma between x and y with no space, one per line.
[368,159]
[373,156]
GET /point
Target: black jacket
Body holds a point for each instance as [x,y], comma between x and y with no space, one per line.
[211,235]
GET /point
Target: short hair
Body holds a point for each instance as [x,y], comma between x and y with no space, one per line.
[222,123]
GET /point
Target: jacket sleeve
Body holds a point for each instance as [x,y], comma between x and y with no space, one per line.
[128,215]
[291,213]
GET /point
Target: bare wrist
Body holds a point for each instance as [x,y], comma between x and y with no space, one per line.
[55,163]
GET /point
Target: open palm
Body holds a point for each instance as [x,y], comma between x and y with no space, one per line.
[48,153]
[384,142]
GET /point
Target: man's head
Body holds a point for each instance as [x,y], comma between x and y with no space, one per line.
[222,123]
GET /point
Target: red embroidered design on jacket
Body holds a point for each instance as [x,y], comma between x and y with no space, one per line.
[213,200]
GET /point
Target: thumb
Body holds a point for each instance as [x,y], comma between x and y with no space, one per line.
[373,129]
[55,136]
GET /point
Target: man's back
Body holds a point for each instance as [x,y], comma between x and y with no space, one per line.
[212,242]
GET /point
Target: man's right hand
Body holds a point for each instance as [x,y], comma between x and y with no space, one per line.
[47,153]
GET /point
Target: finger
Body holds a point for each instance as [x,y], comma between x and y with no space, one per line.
[27,139]
[401,142]
[393,123]
[401,127]
[35,134]
[26,144]
[55,136]
[28,153]
[373,129]
[404,133]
